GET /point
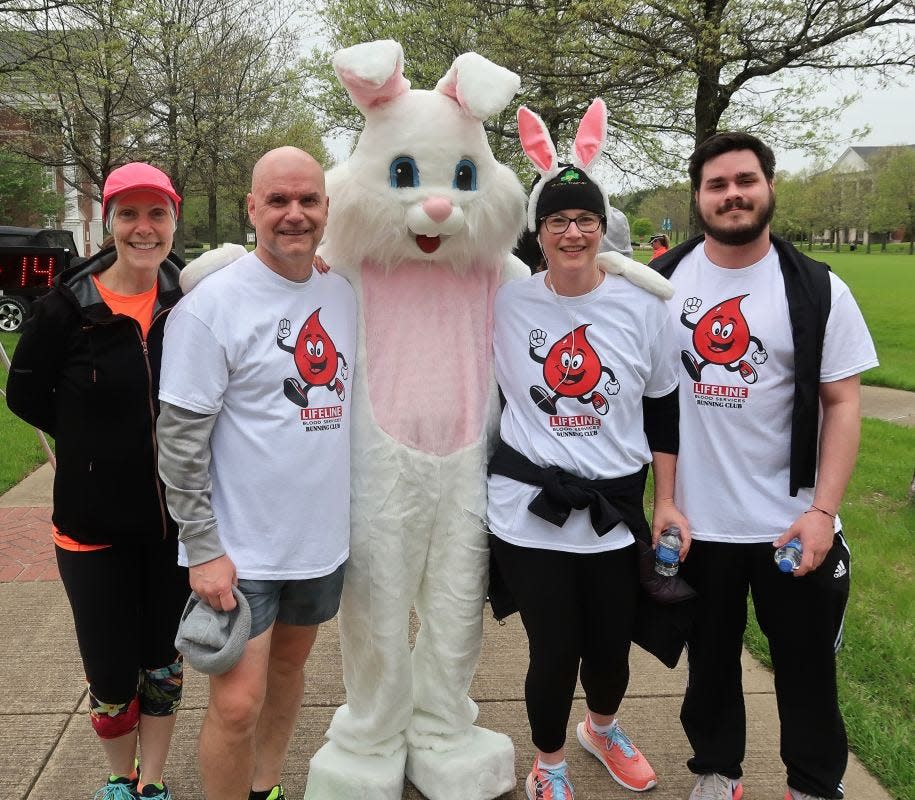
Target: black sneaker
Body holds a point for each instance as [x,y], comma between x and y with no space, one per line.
[276,793]
[153,791]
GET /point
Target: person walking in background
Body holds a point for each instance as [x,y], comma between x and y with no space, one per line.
[659,245]
[255,454]
[86,371]
[772,345]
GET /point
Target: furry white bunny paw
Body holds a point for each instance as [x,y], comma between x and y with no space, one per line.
[637,273]
[211,261]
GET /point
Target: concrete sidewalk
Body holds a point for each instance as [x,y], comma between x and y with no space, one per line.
[48,751]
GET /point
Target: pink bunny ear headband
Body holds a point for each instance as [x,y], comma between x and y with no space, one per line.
[564,186]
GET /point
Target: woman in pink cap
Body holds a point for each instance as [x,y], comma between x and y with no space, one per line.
[86,371]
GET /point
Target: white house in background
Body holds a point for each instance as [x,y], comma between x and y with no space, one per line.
[81,213]
[856,163]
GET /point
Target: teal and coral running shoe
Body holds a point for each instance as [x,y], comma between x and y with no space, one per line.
[117,789]
[548,784]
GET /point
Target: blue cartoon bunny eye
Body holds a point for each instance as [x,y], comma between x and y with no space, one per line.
[465,176]
[404,173]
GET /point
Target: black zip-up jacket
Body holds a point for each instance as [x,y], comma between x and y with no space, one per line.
[809,296]
[86,377]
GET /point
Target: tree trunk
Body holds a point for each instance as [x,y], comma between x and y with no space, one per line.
[212,205]
[242,221]
[711,97]
[178,246]
[810,240]
[213,233]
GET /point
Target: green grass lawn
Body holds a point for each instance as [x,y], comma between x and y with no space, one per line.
[884,286]
[19,445]
[877,662]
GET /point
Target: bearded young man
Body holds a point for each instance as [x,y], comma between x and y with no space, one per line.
[773,345]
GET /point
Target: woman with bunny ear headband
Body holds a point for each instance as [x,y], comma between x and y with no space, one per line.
[580,350]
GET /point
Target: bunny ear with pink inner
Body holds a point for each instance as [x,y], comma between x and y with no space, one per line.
[371,72]
[479,87]
[536,141]
[591,136]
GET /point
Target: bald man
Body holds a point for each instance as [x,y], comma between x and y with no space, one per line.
[254,452]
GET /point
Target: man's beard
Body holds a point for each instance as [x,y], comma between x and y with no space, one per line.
[747,232]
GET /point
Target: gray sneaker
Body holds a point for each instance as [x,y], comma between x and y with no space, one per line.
[714,786]
[794,794]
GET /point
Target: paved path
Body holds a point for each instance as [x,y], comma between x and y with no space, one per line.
[47,751]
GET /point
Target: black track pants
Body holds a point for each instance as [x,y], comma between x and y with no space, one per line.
[802,619]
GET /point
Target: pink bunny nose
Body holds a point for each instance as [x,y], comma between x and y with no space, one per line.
[438,209]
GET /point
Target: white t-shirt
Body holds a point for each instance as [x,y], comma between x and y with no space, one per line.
[587,416]
[737,392]
[280,466]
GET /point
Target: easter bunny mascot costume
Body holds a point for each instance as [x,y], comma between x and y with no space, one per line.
[422,223]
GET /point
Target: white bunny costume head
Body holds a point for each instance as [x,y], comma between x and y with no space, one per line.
[422,183]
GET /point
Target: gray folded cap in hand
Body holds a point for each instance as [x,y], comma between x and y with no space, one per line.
[212,641]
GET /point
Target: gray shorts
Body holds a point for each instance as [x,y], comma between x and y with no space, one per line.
[296,602]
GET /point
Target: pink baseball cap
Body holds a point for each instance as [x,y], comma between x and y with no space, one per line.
[137,175]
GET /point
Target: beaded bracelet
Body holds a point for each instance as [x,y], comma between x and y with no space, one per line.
[817,508]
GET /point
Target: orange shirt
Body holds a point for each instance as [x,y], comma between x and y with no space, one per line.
[140,307]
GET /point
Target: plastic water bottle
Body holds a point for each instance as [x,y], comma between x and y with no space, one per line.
[667,553]
[788,556]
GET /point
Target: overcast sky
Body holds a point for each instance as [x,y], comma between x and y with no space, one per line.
[890,113]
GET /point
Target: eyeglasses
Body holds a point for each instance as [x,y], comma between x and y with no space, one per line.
[586,223]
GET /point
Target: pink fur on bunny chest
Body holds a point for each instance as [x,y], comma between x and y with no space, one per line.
[428,335]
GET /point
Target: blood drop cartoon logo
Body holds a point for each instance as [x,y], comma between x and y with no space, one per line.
[319,363]
[572,369]
[721,337]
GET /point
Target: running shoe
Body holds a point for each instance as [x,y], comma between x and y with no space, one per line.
[276,793]
[626,765]
[117,789]
[794,794]
[155,791]
[548,784]
[747,372]
[714,786]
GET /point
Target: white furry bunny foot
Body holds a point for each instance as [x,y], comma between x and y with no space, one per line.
[480,768]
[342,775]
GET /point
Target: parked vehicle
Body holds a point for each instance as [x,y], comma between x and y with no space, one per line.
[30,260]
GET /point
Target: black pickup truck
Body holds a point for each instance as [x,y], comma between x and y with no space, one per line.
[30,260]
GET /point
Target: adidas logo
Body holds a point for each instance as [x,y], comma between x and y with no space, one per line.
[840,569]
